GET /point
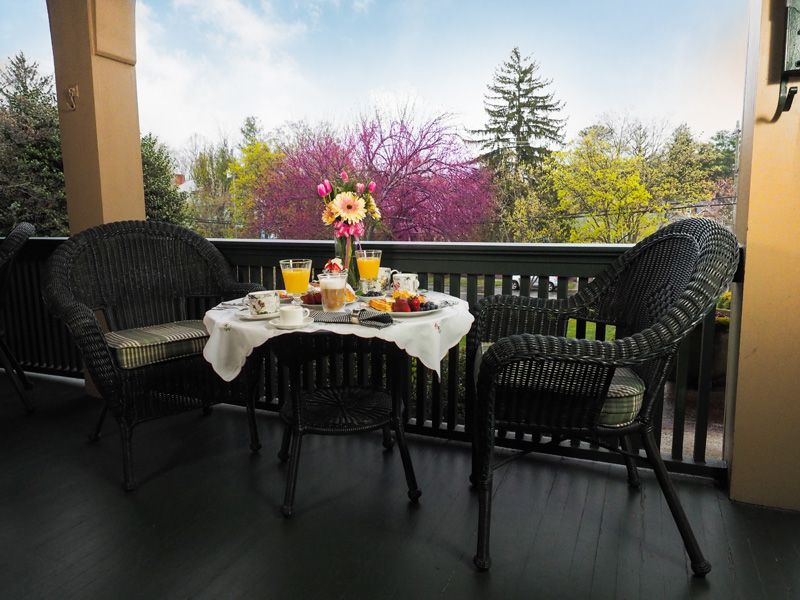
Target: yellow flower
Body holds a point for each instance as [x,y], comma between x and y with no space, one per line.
[349,207]
[329,214]
[372,209]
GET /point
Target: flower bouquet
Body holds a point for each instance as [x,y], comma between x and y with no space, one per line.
[347,205]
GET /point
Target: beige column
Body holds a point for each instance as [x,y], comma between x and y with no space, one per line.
[94,51]
[765,452]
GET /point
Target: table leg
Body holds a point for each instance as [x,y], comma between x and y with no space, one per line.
[399,375]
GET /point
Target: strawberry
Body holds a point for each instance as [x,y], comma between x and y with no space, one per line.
[401,305]
[334,265]
[413,303]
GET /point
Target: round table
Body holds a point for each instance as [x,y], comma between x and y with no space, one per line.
[345,408]
[427,337]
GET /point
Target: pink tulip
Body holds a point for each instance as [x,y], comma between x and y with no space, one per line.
[359,188]
[371,187]
[343,176]
[321,190]
[328,186]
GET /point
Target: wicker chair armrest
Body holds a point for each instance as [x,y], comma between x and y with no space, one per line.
[637,349]
[89,338]
[530,303]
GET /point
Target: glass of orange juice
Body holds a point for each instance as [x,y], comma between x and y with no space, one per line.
[296,273]
[368,261]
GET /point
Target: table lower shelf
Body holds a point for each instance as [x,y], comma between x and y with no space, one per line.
[341,410]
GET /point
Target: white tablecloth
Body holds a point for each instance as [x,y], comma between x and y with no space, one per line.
[427,337]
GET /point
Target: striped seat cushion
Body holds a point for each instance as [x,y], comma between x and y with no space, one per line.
[144,346]
[625,395]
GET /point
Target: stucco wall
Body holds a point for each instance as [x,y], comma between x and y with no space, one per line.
[766,424]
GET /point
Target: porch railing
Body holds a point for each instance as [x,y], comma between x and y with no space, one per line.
[436,406]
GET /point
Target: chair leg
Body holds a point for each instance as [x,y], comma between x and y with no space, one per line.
[283,453]
[482,560]
[127,457]
[700,565]
[388,440]
[291,478]
[15,365]
[630,463]
[474,475]
[413,489]
[95,435]
[17,376]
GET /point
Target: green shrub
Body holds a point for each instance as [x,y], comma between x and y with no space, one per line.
[724,301]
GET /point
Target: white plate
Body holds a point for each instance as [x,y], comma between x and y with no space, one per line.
[306,322]
[411,315]
[264,317]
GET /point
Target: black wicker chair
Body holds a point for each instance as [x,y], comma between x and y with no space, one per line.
[108,283]
[532,379]
[338,408]
[8,252]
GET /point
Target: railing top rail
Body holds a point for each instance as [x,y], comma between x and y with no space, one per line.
[501,258]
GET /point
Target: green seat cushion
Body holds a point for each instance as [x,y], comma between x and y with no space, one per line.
[144,346]
[625,395]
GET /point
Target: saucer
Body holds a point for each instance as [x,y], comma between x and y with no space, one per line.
[306,322]
[261,317]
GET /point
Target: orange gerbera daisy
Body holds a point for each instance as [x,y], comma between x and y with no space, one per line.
[350,208]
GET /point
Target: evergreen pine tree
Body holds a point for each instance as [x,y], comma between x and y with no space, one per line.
[31,171]
[522,116]
[163,201]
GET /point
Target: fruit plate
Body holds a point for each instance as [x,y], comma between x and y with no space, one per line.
[411,315]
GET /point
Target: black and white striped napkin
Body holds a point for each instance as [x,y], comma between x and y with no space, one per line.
[366,317]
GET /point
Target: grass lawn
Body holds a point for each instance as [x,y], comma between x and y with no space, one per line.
[591,328]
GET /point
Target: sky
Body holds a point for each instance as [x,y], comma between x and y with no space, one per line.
[205,65]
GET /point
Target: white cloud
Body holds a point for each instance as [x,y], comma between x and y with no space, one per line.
[235,65]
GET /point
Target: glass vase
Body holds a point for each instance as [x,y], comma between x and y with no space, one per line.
[345,252]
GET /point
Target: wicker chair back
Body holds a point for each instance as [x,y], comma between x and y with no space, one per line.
[138,273]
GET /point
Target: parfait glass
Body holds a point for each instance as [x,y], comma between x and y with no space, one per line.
[296,275]
[369,263]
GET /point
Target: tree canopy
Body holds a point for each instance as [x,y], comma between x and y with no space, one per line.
[428,187]
[601,192]
[616,181]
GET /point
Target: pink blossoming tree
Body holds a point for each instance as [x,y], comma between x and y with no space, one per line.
[427,186]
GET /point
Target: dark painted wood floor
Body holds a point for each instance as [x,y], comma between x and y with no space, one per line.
[205,522]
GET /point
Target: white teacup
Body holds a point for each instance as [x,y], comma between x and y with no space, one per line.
[291,314]
[405,282]
[263,303]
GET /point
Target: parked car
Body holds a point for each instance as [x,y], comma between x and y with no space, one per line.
[552,282]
